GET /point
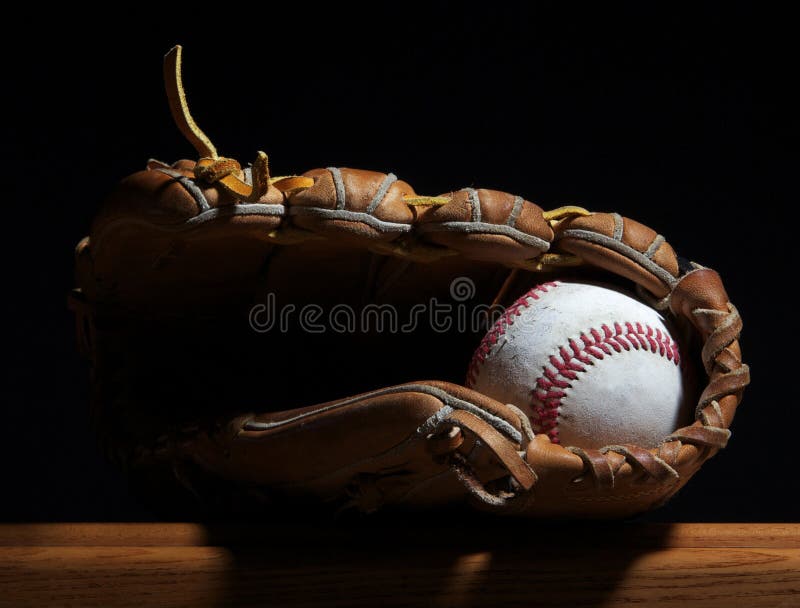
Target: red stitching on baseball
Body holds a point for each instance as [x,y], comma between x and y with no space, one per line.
[499,328]
[594,344]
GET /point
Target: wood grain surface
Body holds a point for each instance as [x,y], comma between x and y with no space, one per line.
[489,564]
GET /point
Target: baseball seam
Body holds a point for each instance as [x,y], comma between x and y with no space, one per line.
[592,345]
[499,329]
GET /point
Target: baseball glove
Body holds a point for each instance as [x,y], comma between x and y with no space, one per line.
[200,293]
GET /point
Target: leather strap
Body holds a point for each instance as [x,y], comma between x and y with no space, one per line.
[498,444]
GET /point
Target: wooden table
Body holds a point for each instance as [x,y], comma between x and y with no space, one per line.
[473,563]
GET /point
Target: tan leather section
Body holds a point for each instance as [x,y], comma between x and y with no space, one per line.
[640,237]
[565,489]
[666,258]
[476,244]
[721,385]
[142,268]
[459,209]
[333,439]
[643,461]
[688,457]
[728,407]
[158,199]
[706,436]
[392,207]
[360,189]
[495,208]
[730,357]
[502,448]
[634,234]
[696,296]
[616,461]
[599,468]
[599,256]
[531,221]
[322,194]
[555,466]
[668,452]
[711,416]
[146,255]
[151,195]
[367,445]
[699,289]
[637,235]
[631,495]
[717,352]
[479,399]
[602,223]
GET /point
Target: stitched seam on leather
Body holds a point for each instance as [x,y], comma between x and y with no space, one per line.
[475,203]
[381,193]
[486,228]
[212,214]
[499,329]
[573,358]
[619,226]
[338,182]
[240,209]
[190,187]
[449,403]
[351,216]
[515,211]
[622,248]
[263,426]
[654,246]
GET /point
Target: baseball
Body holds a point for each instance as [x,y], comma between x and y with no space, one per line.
[590,365]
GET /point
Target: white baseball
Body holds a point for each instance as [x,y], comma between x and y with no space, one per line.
[590,365]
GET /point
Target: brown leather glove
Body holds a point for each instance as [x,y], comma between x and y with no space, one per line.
[187,264]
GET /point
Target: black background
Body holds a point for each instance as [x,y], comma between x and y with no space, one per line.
[649,112]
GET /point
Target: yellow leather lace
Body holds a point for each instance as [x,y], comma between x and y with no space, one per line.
[213,168]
